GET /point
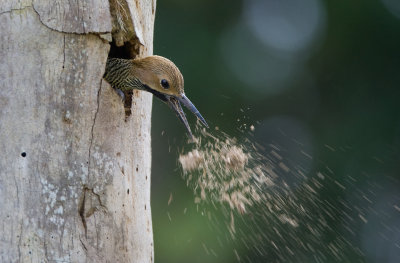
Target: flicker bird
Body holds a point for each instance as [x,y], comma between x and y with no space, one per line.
[154,74]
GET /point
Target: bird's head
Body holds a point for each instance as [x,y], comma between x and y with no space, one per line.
[161,77]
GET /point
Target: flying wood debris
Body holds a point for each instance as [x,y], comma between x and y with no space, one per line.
[218,171]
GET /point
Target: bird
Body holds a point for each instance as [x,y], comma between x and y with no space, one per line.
[154,74]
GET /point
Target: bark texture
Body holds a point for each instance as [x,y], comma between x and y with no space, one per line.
[74,172]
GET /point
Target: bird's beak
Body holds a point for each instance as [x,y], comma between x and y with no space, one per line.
[188,104]
[175,103]
[176,106]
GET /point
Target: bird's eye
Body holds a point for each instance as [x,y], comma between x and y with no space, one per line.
[164,84]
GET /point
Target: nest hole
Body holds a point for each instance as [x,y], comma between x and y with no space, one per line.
[128,51]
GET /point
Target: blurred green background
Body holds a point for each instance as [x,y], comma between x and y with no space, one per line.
[325,74]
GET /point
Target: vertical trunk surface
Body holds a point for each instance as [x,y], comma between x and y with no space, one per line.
[74,172]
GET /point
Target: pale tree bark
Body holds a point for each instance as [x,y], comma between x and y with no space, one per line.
[74,170]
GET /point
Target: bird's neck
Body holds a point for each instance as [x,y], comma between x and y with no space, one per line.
[123,74]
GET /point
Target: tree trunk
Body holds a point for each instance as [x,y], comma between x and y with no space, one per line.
[74,170]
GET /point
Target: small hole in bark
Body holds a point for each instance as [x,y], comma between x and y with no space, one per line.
[23,154]
[144,207]
[127,191]
[126,51]
[137,168]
